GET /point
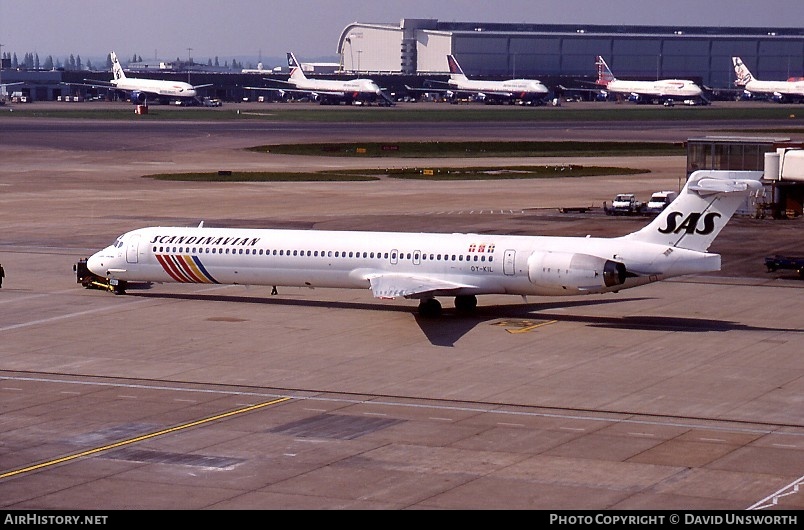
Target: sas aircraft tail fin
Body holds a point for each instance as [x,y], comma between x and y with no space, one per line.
[707,202]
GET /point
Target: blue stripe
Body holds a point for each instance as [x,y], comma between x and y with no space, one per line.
[204,270]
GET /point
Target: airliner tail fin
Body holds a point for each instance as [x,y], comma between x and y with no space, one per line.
[296,72]
[604,75]
[455,70]
[707,202]
[741,71]
[117,69]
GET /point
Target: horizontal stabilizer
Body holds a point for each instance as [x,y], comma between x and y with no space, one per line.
[707,186]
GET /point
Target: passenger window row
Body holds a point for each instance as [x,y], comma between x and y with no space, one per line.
[322,253]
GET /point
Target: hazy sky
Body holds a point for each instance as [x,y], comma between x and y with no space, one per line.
[165,29]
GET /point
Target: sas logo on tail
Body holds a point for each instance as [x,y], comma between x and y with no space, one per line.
[690,223]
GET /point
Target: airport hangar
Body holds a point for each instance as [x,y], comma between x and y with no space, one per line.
[415,50]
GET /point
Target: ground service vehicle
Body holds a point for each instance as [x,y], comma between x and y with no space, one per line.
[774,263]
[659,201]
[625,204]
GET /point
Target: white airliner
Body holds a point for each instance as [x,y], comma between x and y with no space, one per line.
[779,90]
[424,266]
[661,90]
[330,91]
[142,90]
[530,91]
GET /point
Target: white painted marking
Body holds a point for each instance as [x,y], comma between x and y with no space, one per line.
[773,498]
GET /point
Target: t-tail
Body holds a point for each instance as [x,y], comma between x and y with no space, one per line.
[707,202]
[742,72]
[296,72]
[604,75]
[117,69]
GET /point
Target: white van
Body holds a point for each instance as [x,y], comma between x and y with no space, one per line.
[659,201]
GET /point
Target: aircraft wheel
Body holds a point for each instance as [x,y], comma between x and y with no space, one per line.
[466,303]
[429,308]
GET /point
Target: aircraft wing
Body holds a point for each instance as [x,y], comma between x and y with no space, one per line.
[338,93]
[597,90]
[501,93]
[94,83]
[265,88]
[393,285]
[430,89]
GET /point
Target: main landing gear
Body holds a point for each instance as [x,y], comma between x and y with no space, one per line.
[431,308]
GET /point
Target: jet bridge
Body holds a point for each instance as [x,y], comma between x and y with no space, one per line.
[784,170]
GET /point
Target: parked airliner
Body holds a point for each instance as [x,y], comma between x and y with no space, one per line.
[330,91]
[779,90]
[529,91]
[661,90]
[141,91]
[424,266]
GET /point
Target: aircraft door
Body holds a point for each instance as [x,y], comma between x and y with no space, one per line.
[132,248]
[509,262]
[417,257]
[394,256]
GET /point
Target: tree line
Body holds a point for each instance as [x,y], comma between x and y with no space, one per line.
[31,61]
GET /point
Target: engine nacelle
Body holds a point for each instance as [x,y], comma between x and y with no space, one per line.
[138,98]
[561,272]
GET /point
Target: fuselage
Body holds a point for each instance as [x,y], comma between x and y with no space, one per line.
[676,88]
[155,86]
[520,88]
[784,88]
[355,85]
[336,90]
[414,265]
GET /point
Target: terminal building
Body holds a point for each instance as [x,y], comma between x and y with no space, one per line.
[420,46]
[415,50]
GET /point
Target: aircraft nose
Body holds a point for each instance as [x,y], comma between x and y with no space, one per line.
[95,263]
